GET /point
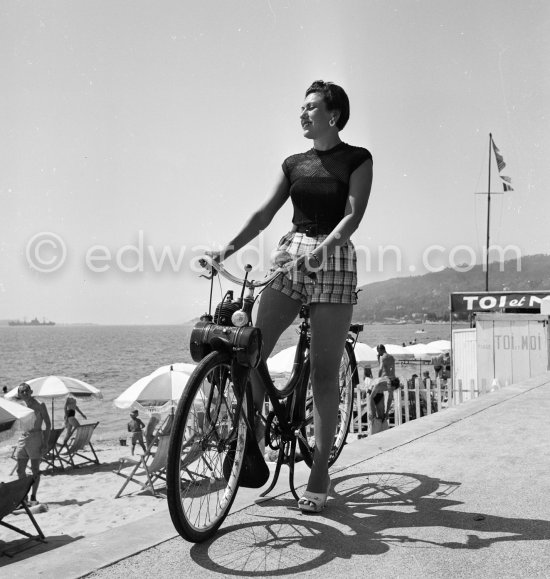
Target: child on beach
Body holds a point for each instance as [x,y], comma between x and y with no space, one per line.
[136,426]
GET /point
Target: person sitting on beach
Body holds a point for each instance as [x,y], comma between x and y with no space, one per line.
[136,426]
[32,443]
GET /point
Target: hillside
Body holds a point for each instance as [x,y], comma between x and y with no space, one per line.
[427,296]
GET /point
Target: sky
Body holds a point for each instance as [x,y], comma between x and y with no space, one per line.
[135,134]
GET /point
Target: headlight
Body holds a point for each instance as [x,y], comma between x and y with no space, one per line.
[239,318]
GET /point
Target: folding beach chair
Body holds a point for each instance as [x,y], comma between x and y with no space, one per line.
[52,450]
[12,497]
[146,471]
[81,438]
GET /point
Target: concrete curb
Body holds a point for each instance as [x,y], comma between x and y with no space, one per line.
[82,557]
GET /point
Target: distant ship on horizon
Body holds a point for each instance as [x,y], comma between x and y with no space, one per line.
[33,322]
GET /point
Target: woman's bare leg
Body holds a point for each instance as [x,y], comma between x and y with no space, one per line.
[275,313]
[329,329]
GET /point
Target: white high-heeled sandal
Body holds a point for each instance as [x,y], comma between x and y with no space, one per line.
[314,502]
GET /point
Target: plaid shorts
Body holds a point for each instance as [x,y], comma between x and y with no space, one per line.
[336,281]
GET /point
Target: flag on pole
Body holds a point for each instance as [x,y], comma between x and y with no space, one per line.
[506,181]
[500,159]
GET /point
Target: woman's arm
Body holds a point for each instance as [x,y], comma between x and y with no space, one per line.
[259,220]
[360,184]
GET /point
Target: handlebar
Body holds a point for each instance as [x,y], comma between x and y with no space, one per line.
[210,264]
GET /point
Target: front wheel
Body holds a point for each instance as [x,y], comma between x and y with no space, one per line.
[207,447]
[346,384]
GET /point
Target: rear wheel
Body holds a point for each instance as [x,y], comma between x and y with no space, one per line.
[207,448]
[347,380]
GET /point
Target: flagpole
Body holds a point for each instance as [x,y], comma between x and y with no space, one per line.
[488,218]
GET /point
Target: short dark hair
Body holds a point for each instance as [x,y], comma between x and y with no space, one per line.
[335,98]
[24,388]
[380,348]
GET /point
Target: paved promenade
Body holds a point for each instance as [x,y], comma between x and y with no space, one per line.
[462,493]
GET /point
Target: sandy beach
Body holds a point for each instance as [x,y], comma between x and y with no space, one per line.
[78,502]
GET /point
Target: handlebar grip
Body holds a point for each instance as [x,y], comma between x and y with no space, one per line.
[203,263]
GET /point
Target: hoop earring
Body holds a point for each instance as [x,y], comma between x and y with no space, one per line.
[331,123]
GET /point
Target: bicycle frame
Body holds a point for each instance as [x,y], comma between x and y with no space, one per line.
[289,402]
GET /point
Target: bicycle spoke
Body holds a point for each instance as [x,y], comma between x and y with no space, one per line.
[208,453]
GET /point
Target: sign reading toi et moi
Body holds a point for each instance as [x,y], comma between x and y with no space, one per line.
[495,301]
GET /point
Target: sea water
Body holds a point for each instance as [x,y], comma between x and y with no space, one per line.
[113,357]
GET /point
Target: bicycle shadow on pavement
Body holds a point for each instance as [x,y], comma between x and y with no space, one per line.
[366,515]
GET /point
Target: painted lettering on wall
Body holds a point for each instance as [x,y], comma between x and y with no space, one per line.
[510,342]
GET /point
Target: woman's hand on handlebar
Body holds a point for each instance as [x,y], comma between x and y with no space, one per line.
[307,264]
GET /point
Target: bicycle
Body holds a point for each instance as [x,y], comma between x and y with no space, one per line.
[213,447]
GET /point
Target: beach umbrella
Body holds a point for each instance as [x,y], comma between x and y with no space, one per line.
[14,416]
[58,387]
[177,367]
[423,351]
[443,345]
[365,355]
[282,362]
[157,392]
[399,352]
[52,387]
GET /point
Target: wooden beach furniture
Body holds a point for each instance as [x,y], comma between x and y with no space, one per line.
[146,471]
[79,445]
[52,451]
[13,497]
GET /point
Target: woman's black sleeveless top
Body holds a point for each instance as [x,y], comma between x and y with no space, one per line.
[319,183]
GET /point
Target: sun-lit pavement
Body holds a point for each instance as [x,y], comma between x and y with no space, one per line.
[462,493]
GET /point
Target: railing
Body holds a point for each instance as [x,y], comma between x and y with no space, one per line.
[411,400]
[461,392]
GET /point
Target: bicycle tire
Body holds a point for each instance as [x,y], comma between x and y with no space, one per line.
[205,455]
[347,382]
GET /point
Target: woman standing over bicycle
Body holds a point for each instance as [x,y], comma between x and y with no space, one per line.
[329,187]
